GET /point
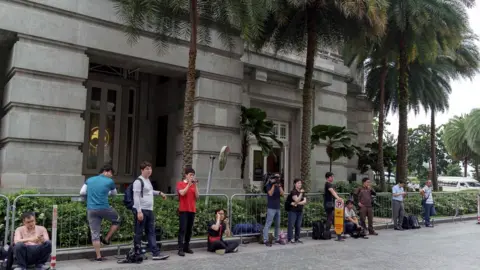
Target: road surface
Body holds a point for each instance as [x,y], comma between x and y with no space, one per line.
[447,246]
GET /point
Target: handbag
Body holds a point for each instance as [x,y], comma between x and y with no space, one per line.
[424,200]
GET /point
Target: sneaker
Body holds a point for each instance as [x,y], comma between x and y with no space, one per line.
[189,251]
[160,257]
[267,243]
[235,250]
[42,267]
[291,241]
[20,268]
[372,233]
[220,251]
[298,241]
[105,242]
[181,253]
[99,259]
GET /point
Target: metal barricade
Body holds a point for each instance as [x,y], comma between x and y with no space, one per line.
[73,229]
[5,205]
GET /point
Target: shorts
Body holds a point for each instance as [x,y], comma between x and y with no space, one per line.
[95,218]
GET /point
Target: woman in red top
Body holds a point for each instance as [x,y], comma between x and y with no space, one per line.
[187,191]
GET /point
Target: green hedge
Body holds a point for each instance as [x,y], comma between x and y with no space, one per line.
[73,228]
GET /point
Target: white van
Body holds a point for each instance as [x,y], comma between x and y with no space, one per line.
[454,183]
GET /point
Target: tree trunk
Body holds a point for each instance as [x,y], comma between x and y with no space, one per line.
[307,95]
[190,91]
[477,176]
[465,167]
[331,163]
[402,144]
[381,123]
[244,154]
[433,151]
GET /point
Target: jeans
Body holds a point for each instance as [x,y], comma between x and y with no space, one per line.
[185,230]
[28,255]
[229,246]
[294,219]
[350,227]
[427,209]
[271,215]
[147,225]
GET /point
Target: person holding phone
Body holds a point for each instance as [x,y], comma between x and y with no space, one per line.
[188,194]
[216,230]
[32,244]
[398,194]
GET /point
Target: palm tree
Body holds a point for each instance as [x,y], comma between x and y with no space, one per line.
[454,137]
[253,121]
[473,131]
[191,20]
[338,141]
[302,25]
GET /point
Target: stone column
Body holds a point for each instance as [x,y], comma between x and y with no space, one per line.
[217,123]
[42,129]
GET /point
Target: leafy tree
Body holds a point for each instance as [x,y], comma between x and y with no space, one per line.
[304,26]
[455,141]
[192,20]
[253,122]
[368,157]
[453,169]
[473,131]
[419,149]
[338,141]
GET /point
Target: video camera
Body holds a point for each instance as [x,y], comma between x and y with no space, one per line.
[274,179]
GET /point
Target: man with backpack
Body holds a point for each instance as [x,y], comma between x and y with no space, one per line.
[274,192]
[143,214]
[427,202]
[97,189]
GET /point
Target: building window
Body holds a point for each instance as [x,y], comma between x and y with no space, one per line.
[102,122]
[280,129]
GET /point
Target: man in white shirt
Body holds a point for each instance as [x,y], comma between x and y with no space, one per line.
[427,202]
[351,225]
[143,211]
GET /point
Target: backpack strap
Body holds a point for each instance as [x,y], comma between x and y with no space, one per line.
[142,183]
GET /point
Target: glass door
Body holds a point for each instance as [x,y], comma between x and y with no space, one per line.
[102,126]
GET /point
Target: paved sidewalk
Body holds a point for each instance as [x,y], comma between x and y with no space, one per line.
[447,246]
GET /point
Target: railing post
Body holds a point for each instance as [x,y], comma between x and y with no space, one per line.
[53,257]
[478,208]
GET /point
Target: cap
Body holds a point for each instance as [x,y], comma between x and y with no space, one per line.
[328,174]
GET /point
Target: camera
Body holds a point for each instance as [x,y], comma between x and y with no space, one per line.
[275,179]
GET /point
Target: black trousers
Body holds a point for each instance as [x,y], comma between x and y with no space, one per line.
[229,246]
[28,255]
[185,230]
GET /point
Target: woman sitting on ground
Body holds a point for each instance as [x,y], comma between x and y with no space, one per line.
[216,229]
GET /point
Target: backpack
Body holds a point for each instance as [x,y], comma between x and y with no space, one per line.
[406,224]
[128,196]
[132,257]
[288,202]
[413,222]
[266,180]
[319,231]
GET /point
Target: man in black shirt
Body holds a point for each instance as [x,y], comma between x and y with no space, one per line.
[295,202]
[328,202]
[216,229]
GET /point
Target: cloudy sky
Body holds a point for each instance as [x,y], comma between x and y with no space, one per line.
[465,95]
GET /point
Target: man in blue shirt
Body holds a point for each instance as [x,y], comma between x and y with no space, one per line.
[274,192]
[97,189]
[398,194]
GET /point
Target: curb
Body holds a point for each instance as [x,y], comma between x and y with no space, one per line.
[88,252]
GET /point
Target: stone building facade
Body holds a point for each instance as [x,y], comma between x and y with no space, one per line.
[76,95]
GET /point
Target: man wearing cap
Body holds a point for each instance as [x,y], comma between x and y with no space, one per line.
[329,194]
[274,192]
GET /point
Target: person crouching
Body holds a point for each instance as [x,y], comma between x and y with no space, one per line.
[216,229]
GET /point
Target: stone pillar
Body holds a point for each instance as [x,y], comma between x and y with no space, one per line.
[217,123]
[42,129]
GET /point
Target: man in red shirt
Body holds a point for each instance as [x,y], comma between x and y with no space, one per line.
[188,194]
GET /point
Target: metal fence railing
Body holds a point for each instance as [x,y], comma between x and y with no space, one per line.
[246,212]
[5,210]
